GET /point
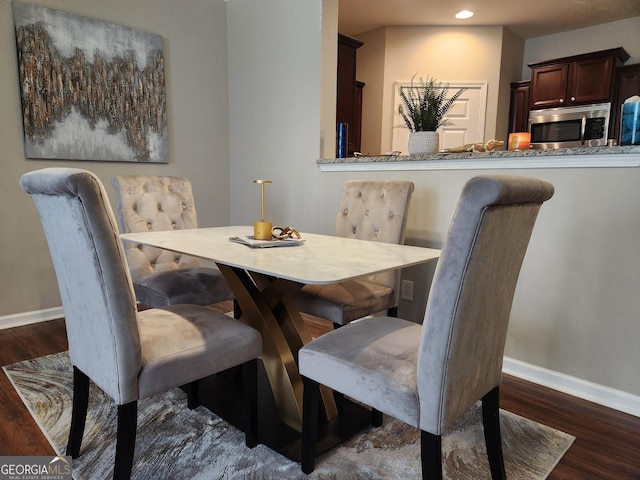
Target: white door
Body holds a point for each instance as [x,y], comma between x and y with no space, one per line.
[466,117]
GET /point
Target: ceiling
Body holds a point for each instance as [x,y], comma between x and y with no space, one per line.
[526,18]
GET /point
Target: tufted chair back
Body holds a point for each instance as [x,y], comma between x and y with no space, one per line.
[375,210]
[154,203]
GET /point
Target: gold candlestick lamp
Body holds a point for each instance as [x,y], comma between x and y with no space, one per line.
[262,229]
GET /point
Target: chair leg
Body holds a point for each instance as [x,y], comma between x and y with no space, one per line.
[310,402]
[376,417]
[125,440]
[431,453]
[193,396]
[78,412]
[237,311]
[492,436]
[250,379]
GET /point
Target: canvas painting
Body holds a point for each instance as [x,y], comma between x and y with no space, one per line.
[90,90]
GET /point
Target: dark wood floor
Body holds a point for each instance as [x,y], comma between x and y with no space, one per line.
[607,444]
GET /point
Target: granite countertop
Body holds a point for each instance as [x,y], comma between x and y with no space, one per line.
[496,154]
[627,156]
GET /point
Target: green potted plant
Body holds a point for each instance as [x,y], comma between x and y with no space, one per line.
[423,107]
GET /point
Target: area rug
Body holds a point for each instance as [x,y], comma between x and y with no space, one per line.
[174,442]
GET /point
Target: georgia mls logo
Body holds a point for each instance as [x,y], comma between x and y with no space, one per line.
[59,465]
[35,468]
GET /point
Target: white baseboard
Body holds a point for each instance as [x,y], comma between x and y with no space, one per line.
[593,392]
[27,318]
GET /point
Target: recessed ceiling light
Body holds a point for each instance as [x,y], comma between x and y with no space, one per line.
[464,14]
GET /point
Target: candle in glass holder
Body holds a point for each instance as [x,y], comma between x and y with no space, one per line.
[519,141]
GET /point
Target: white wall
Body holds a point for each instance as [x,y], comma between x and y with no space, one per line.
[195,51]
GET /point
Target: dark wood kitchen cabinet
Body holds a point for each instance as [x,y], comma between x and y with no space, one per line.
[519,110]
[576,80]
[349,91]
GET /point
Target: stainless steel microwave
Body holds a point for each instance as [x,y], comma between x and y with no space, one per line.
[567,127]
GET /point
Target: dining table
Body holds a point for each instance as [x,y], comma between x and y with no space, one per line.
[264,282]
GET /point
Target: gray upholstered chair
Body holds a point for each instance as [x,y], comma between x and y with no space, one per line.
[161,277]
[428,375]
[369,210]
[128,354]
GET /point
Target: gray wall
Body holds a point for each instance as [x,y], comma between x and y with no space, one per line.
[576,308]
[197,101]
[275,58]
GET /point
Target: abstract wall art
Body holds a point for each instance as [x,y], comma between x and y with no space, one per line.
[90,90]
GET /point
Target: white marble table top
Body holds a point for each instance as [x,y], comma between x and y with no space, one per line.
[322,259]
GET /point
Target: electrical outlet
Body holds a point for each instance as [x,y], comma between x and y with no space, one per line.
[407,290]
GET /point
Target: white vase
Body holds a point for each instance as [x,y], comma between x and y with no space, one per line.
[423,143]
